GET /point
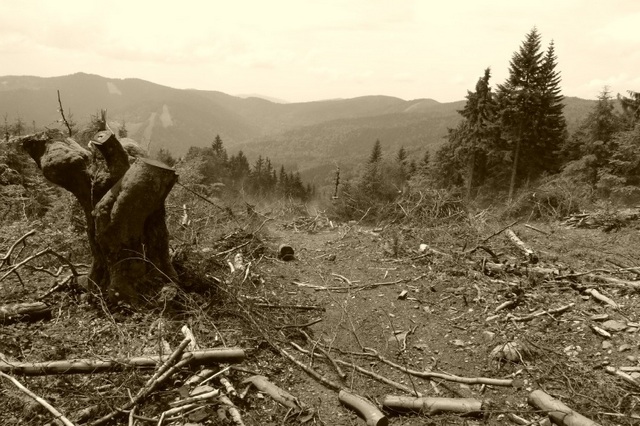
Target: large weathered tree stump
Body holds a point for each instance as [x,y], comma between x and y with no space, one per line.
[123,202]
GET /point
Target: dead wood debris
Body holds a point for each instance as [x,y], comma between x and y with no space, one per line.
[90,366]
[433,405]
[559,413]
[606,220]
[38,399]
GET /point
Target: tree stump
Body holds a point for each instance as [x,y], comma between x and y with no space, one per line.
[122,198]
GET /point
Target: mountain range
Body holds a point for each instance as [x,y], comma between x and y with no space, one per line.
[311,137]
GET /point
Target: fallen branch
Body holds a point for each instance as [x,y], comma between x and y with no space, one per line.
[17,266]
[196,398]
[601,297]
[39,400]
[448,377]
[324,352]
[29,311]
[536,229]
[559,413]
[624,376]
[366,372]
[232,410]
[541,313]
[90,366]
[352,287]
[529,254]
[364,408]
[433,405]
[6,259]
[473,250]
[276,393]
[163,372]
[313,373]
[300,307]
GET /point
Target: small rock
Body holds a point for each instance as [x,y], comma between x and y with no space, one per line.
[632,358]
[632,329]
[607,344]
[458,342]
[624,347]
[635,375]
[614,325]
[599,317]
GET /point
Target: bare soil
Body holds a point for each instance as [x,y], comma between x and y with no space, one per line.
[353,279]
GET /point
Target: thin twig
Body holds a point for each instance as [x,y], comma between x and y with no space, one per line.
[58,415]
[64,119]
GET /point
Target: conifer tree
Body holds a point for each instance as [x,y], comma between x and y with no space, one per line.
[371,180]
[531,110]
[479,130]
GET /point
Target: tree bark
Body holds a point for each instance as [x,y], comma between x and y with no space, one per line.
[123,202]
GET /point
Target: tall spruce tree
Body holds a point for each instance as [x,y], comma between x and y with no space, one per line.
[553,127]
[531,110]
[478,130]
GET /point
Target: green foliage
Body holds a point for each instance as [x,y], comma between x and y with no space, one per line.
[211,169]
[165,156]
[531,111]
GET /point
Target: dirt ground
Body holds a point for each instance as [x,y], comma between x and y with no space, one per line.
[357,289]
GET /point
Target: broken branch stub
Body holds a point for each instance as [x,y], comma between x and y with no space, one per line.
[123,206]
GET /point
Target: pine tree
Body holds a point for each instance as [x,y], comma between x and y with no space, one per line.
[371,180]
[479,131]
[552,124]
[376,153]
[630,107]
[531,110]
[425,163]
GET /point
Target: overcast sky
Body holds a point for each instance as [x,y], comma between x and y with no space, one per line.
[299,50]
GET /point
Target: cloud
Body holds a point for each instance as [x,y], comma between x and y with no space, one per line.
[621,30]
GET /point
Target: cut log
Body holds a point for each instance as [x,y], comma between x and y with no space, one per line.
[276,393]
[364,408]
[90,366]
[529,254]
[29,311]
[432,405]
[559,413]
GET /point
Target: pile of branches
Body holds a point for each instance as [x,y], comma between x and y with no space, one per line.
[310,223]
[605,220]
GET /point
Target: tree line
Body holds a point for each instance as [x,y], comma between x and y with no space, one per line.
[514,137]
[212,166]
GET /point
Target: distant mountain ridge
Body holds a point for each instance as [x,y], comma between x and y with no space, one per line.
[307,136]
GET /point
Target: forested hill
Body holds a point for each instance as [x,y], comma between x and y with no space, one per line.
[303,135]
